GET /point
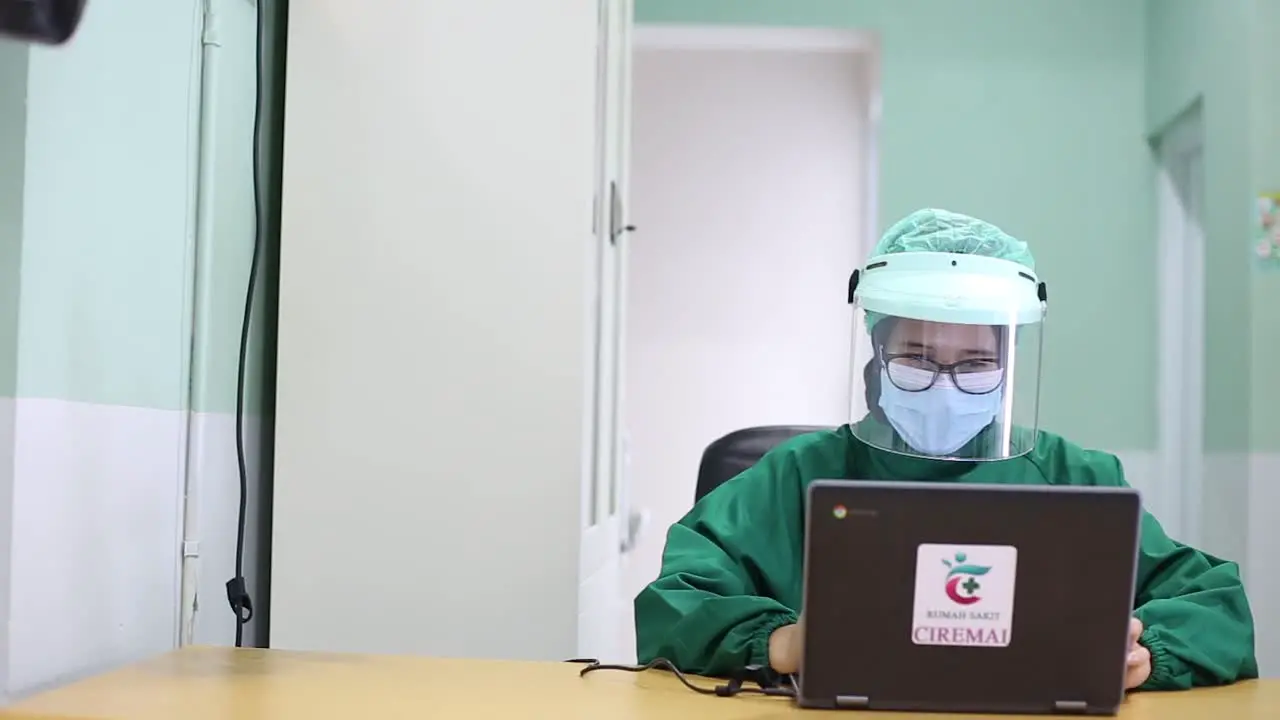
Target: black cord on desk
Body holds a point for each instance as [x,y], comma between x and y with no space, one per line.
[758,677]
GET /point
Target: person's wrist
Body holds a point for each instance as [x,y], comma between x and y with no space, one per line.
[784,652]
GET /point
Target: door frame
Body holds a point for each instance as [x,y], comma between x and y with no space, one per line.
[1180,278]
[732,37]
[601,605]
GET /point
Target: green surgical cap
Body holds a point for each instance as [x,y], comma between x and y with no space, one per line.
[932,230]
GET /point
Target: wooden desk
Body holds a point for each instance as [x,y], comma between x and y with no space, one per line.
[221,684]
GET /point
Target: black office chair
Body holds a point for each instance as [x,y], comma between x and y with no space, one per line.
[739,450]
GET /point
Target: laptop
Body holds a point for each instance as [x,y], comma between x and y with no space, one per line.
[968,598]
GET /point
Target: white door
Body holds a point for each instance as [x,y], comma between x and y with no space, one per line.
[493,224]
[1174,495]
[601,601]
[748,174]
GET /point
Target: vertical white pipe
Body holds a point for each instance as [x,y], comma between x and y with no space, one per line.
[205,198]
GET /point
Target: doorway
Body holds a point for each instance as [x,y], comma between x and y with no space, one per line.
[752,186]
[1176,497]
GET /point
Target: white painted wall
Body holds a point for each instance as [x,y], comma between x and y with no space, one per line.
[433,358]
[94,569]
[93,451]
[748,188]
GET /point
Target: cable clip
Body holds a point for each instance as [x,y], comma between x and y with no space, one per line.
[238,598]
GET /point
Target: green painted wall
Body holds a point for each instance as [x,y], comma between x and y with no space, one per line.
[1221,56]
[1206,55]
[1199,52]
[1265,151]
[13,133]
[1032,115]
[106,203]
[106,254]
[224,270]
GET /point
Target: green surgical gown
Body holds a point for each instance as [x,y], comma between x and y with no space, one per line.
[731,571]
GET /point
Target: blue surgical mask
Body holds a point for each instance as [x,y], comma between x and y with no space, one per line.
[940,420]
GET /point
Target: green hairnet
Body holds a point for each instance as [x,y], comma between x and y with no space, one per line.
[932,230]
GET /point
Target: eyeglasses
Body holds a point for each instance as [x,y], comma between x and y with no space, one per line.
[916,373]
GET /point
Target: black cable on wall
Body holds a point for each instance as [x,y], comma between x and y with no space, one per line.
[262,285]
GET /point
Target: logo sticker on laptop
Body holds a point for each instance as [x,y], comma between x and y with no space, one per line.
[964,595]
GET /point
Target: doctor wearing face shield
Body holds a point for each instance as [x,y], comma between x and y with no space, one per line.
[954,311]
[956,343]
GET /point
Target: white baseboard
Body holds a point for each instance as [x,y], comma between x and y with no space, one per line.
[1262,569]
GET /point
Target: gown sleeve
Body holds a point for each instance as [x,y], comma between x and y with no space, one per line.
[712,608]
[1198,625]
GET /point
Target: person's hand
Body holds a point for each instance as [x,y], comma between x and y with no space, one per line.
[1138,668]
[786,647]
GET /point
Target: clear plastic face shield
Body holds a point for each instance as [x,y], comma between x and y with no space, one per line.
[955,342]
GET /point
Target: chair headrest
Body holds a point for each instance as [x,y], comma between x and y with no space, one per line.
[728,456]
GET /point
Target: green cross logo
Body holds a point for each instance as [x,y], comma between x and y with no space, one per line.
[963,575]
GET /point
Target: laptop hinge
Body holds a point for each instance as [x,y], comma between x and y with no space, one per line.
[852,702]
[1071,706]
